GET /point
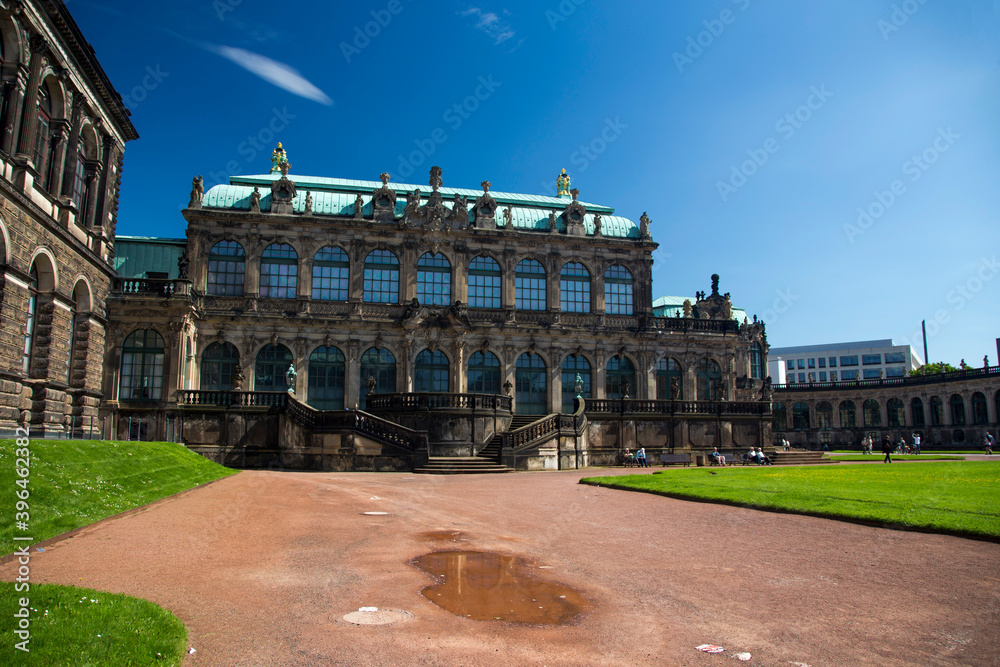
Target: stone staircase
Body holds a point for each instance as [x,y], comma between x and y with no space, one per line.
[460,465]
[492,449]
[798,458]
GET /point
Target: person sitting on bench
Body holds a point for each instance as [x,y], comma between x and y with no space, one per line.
[762,458]
[640,458]
[717,457]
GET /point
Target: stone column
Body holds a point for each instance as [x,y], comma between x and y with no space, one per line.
[93,169]
[460,280]
[13,93]
[29,118]
[107,178]
[352,382]
[508,272]
[407,276]
[53,185]
[555,387]
[251,281]
[597,289]
[305,268]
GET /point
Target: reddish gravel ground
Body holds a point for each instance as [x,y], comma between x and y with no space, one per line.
[262,566]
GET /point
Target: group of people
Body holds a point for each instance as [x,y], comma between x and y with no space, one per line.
[638,458]
[901,446]
[757,456]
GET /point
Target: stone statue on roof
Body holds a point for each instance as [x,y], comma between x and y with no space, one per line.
[278,158]
[197,192]
[436,181]
[562,184]
[359,205]
[597,224]
[508,218]
[644,225]
[255,200]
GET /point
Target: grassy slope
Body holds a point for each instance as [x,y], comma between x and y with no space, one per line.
[75,483]
[955,497]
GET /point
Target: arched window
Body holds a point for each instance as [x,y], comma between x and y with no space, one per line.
[279,272]
[271,369]
[618,286]
[619,378]
[573,365]
[219,362]
[937,411]
[141,377]
[381,365]
[979,415]
[574,288]
[430,372]
[42,129]
[896,412]
[530,385]
[872,413]
[779,415]
[824,415]
[800,416]
[326,378]
[917,411]
[381,277]
[529,285]
[669,380]
[710,381]
[434,280]
[226,266]
[484,283]
[957,410]
[848,414]
[484,373]
[331,275]
[81,185]
[29,325]
[756,362]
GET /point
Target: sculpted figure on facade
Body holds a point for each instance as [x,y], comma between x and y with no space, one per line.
[359,207]
[197,192]
[644,226]
[255,200]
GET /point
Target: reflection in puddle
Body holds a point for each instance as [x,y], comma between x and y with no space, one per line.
[443,536]
[490,586]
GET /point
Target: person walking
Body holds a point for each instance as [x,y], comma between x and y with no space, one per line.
[988,441]
[916,442]
[887,449]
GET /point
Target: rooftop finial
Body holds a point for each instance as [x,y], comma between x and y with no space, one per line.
[436,181]
[384,177]
[715,284]
[486,186]
[574,192]
[562,184]
[278,158]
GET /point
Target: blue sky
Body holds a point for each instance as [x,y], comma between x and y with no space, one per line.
[836,163]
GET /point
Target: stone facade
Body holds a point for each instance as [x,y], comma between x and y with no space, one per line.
[61,150]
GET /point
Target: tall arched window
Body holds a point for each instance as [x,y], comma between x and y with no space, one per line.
[710,381]
[484,373]
[381,277]
[279,272]
[574,288]
[573,365]
[824,415]
[81,186]
[331,275]
[141,377]
[271,368]
[29,325]
[430,372]
[618,287]
[226,267]
[756,362]
[529,285]
[619,378]
[937,411]
[530,385]
[434,280]
[957,410]
[219,362]
[779,416]
[42,129]
[484,283]
[896,412]
[872,413]
[326,378]
[669,380]
[917,411]
[848,414]
[979,414]
[800,416]
[381,365]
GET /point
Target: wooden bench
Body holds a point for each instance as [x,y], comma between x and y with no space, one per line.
[667,459]
[729,458]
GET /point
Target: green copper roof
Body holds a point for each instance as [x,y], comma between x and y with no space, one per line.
[673,306]
[138,256]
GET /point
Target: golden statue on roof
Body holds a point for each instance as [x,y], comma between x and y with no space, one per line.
[562,184]
[278,158]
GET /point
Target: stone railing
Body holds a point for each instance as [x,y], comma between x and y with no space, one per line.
[535,431]
[347,421]
[908,381]
[415,402]
[233,399]
[638,406]
[143,287]
[692,324]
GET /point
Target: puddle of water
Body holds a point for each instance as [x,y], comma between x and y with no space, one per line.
[443,536]
[375,513]
[488,586]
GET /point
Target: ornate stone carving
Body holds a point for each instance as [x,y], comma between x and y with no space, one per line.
[485,209]
[644,226]
[597,224]
[359,207]
[197,192]
[562,184]
[435,181]
[459,216]
[553,222]
[255,200]
[508,220]
[384,201]
[309,203]
[282,194]
[279,160]
[182,266]
[574,215]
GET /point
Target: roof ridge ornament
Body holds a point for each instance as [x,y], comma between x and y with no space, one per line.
[279,161]
[436,181]
[562,184]
[384,177]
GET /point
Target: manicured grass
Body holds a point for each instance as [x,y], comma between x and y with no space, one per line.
[72,483]
[961,497]
[895,457]
[923,452]
[80,626]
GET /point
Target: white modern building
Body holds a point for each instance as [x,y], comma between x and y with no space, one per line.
[861,360]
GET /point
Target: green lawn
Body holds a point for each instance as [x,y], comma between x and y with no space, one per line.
[895,457]
[961,497]
[80,626]
[72,483]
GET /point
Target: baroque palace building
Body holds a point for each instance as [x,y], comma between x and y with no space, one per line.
[61,147]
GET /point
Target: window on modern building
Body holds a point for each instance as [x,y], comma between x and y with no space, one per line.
[871,373]
[331,274]
[822,376]
[790,365]
[484,373]
[530,385]
[484,283]
[802,377]
[824,415]
[619,378]
[618,289]
[848,415]
[327,367]
[32,319]
[822,362]
[529,285]
[278,272]
[895,372]
[937,411]
[669,380]
[833,362]
[812,363]
[756,362]
[801,363]
[895,358]
[957,410]
[141,377]
[573,365]
[979,415]
[226,268]
[871,359]
[833,376]
[574,288]
[800,416]
[849,361]
[219,361]
[779,415]
[381,277]
[381,365]
[271,369]
[434,280]
[917,411]
[709,381]
[430,372]
[848,375]
[873,413]
[896,412]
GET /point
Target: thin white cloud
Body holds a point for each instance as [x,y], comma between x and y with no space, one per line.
[279,74]
[498,29]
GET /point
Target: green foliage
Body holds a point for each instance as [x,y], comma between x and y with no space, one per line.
[961,497]
[937,367]
[80,626]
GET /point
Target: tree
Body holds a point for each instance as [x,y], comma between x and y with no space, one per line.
[933,368]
